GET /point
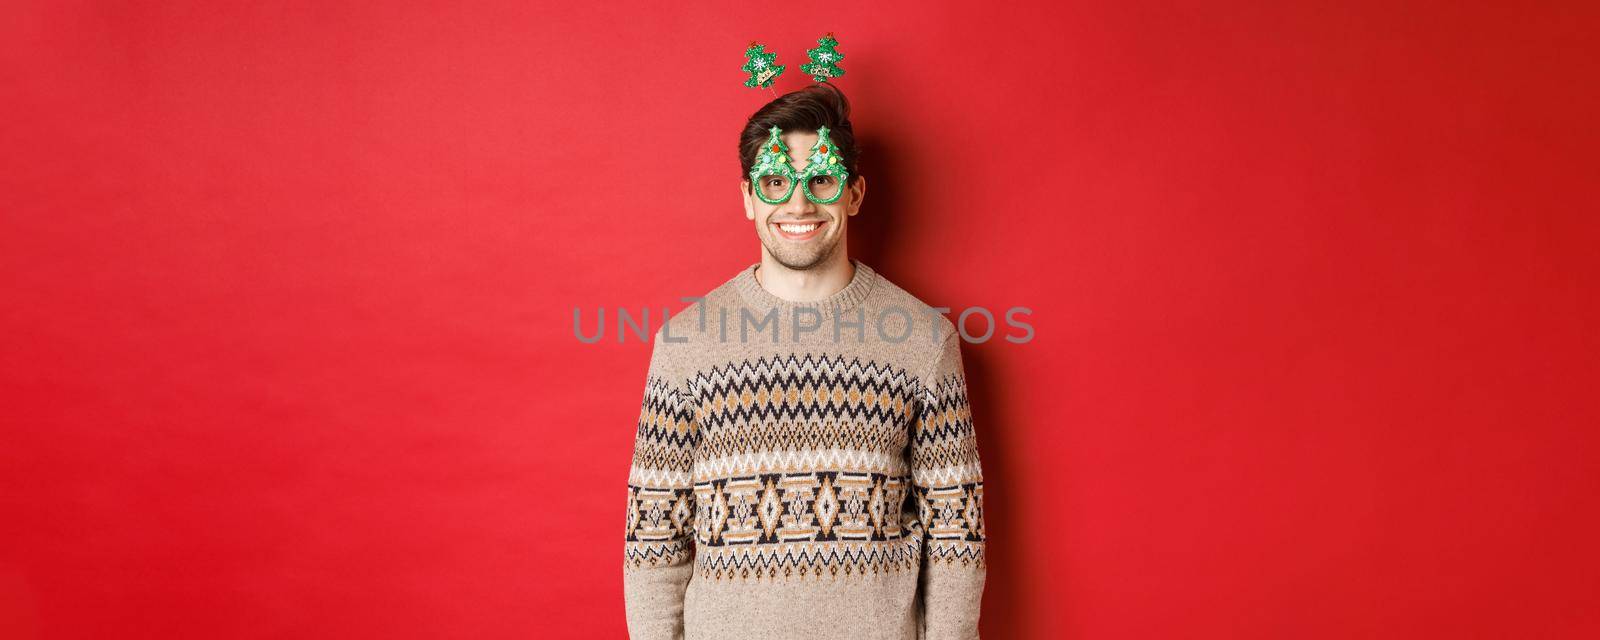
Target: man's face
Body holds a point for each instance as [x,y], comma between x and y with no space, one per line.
[801,234]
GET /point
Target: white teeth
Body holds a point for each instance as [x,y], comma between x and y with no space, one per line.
[798,228]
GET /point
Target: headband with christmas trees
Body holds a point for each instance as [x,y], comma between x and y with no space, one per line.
[764,69]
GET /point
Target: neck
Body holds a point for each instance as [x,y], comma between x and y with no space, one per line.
[810,285]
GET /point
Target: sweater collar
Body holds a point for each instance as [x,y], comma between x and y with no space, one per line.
[861,285]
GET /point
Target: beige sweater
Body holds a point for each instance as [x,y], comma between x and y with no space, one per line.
[826,486]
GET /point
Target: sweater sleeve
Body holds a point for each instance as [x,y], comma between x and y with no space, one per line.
[947,482]
[658,557]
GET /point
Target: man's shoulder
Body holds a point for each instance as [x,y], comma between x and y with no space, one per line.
[891,298]
[690,321]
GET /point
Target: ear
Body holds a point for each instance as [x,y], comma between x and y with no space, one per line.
[856,193]
[749,195]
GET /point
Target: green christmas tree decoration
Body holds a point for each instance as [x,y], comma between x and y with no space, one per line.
[773,160]
[761,66]
[825,161]
[824,60]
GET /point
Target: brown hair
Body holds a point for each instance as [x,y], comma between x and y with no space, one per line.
[807,109]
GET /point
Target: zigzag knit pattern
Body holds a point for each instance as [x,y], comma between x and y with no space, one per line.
[749,434]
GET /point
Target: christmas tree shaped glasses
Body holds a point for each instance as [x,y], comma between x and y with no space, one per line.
[774,177]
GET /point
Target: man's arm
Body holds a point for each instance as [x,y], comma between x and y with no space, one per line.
[947,482]
[659,547]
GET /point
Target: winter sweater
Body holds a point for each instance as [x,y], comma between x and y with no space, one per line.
[805,471]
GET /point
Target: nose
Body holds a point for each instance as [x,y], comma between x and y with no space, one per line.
[798,205]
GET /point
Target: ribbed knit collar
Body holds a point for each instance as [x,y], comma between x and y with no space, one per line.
[861,285]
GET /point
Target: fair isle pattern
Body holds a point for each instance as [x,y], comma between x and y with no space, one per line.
[802,472]
[804,388]
[948,481]
[807,560]
[945,450]
[657,519]
[665,440]
[955,523]
[660,497]
[785,446]
[820,506]
[798,466]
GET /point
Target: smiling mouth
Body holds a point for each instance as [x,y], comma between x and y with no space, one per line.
[799,231]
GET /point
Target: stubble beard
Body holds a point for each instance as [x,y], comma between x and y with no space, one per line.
[795,258]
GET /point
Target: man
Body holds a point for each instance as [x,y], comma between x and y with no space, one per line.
[805,464]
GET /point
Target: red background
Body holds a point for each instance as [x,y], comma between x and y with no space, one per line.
[288,297]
